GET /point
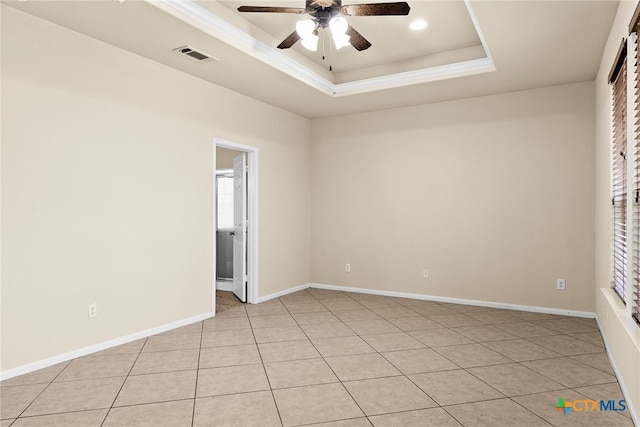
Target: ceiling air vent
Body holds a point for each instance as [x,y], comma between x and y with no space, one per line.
[195,54]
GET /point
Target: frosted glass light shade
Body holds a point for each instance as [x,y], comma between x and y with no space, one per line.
[338,25]
[311,42]
[305,28]
[340,40]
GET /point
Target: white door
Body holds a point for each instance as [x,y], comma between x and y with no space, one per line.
[240,227]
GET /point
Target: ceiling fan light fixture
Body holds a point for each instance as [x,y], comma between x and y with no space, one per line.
[338,25]
[310,42]
[340,40]
[330,13]
[305,28]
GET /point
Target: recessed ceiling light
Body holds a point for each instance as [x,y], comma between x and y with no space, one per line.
[418,24]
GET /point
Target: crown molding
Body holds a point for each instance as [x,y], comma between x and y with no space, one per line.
[210,23]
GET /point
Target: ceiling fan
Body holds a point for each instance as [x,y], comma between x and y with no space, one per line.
[330,13]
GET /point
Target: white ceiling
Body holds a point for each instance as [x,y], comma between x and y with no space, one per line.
[527,44]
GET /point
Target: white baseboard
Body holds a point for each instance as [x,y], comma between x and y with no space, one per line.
[630,326]
[620,378]
[491,304]
[224,285]
[479,303]
[283,293]
[10,373]
[34,366]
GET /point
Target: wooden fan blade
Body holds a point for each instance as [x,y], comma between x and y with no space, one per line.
[268,9]
[356,40]
[376,9]
[289,41]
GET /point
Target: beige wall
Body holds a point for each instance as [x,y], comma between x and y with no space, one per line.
[621,334]
[107,190]
[106,195]
[493,195]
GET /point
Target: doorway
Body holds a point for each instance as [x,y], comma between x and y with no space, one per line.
[235,226]
[224,203]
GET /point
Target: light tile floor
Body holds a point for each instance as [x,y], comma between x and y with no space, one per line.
[319,357]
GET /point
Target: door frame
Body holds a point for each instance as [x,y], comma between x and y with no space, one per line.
[252,217]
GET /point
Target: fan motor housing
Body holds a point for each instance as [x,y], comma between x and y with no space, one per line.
[324,16]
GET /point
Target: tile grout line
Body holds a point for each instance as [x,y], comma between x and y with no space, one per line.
[379,354]
[401,372]
[41,392]
[264,369]
[195,388]
[124,382]
[329,366]
[467,371]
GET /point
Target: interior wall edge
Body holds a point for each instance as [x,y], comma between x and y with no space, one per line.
[283,293]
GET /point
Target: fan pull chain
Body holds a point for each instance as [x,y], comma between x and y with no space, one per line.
[330,56]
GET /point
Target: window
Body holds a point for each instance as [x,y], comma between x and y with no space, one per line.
[224,200]
[634,30]
[634,298]
[635,293]
[618,81]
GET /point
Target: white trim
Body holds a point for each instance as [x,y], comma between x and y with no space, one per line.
[425,75]
[479,303]
[214,228]
[283,293]
[476,26]
[618,309]
[491,304]
[224,285]
[208,22]
[252,216]
[632,46]
[34,366]
[619,377]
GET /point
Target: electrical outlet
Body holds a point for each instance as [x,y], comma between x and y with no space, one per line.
[93,310]
[560,284]
[347,268]
[425,273]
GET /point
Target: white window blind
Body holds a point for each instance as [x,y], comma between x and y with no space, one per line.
[635,292]
[618,80]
